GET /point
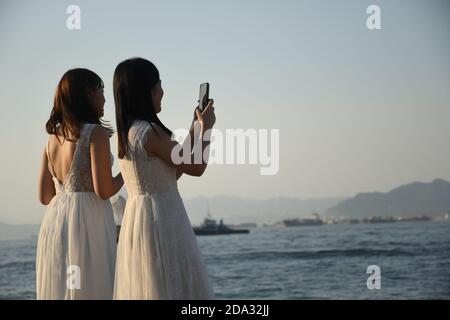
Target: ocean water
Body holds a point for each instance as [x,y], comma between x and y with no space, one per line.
[314,262]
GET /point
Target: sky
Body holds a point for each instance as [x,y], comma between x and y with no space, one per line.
[357,110]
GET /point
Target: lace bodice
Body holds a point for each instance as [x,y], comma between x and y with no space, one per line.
[79,176]
[142,173]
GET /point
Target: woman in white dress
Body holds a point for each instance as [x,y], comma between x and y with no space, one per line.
[76,247]
[157,254]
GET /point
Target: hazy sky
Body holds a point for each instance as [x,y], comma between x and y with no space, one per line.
[357,110]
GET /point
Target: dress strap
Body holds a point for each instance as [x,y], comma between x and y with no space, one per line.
[50,164]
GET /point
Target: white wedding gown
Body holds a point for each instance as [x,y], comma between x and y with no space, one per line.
[76,247]
[157,254]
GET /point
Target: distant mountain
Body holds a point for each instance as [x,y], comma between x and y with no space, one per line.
[15,232]
[238,210]
[410,200]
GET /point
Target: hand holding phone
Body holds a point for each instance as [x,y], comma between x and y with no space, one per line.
[207,117]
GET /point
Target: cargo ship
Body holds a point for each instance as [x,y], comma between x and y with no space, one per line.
[304,222]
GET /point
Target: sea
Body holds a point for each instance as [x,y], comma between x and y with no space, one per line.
[411,259]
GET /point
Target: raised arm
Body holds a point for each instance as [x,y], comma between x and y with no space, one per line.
[159,143]
[105,186]
[189,140]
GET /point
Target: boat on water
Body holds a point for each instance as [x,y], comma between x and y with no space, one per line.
[210,227]
[316,221]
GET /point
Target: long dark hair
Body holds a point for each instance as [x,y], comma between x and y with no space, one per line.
[72,106]
[133,80]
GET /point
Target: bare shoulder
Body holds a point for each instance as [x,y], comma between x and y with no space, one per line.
[156,133]
[156,139]
[99,134]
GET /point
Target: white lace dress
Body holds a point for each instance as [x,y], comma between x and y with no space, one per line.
[76,247]
[157,254]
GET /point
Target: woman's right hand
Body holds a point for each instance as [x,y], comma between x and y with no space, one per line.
[207,118]
[163,146]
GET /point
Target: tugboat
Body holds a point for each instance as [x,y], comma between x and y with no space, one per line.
[209,227]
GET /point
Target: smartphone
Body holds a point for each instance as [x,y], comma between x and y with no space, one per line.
[204,96]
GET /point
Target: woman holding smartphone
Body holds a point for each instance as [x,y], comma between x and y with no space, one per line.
[157,256]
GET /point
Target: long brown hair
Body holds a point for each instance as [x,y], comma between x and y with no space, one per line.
[133,80]
[72,106]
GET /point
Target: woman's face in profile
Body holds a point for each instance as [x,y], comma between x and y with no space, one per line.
[98,101]
[157,94]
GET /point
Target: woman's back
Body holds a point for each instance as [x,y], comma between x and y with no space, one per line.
[142,173]
[60,152]
[72,162]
